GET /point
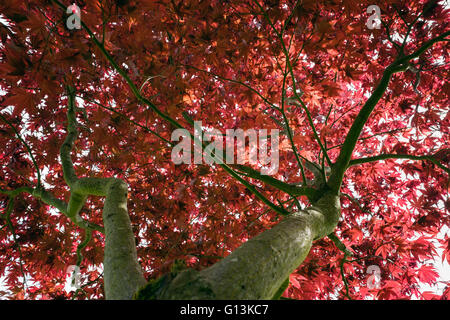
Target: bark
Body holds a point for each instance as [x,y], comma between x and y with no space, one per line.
[122,272]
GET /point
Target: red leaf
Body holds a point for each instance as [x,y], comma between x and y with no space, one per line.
[427,274]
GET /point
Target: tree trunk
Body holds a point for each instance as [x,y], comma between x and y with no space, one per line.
[123,275]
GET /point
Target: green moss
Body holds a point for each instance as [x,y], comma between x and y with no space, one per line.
[153,289]
[178,266]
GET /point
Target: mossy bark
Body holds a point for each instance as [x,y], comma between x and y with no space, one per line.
[123,275]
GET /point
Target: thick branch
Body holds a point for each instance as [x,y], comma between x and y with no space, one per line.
[123,274]
[258,268]
[69,172]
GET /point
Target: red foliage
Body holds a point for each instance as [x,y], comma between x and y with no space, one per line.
[198,212]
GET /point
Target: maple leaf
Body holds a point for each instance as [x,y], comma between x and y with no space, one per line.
[427,274]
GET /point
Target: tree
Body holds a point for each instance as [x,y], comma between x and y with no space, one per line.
[87,116]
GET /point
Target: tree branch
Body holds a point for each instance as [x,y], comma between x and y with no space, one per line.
[290,189]
[233,81]
[344,279]
[26,146]
[46,197]
[339,244]
[288,127]
[431,158]
[66,148]
[399,65]
[128,119]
